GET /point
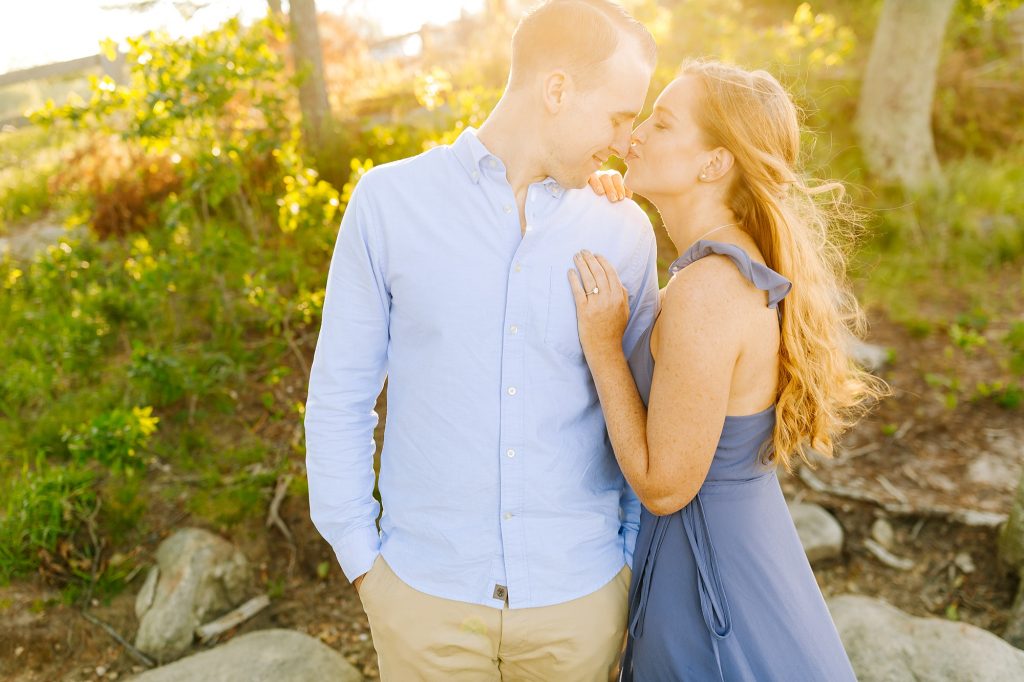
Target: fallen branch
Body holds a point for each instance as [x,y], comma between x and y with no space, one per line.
[862,450]
[887,557]
[132,651]
[969,517]
[243,613]
[892,490]
[273,514]
[274,517]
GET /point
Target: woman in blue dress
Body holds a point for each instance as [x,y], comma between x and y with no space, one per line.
[751,369]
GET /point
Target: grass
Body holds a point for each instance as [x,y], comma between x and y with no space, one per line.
[958,247]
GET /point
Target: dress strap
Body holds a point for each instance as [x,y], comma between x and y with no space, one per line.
[760,275]
[714,604]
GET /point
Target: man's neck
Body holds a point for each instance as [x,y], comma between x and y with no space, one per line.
[507,135]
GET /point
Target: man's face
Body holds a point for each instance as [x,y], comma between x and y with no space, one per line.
[597,123]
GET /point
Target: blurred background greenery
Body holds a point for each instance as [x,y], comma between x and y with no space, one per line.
[168,224]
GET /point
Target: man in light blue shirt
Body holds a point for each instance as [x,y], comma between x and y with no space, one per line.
[503,505]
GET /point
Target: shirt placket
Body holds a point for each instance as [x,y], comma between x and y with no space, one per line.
[515,394]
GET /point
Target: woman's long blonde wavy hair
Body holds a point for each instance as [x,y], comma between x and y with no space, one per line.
[802,232]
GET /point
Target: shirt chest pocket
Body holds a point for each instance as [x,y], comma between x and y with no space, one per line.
[561,332]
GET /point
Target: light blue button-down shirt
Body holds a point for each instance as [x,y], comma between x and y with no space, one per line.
[496,469]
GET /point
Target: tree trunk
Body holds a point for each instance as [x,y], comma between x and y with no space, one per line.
[1011,554]
[309,65]
[275,7]
[894,114]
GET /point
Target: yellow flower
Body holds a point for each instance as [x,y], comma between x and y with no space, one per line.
[147,423]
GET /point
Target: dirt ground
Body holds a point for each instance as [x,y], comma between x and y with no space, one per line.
[911,452]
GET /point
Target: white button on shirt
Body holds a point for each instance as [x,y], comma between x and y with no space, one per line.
[421,290]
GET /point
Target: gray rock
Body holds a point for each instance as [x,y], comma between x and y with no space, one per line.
[992,471]
[882,532]
[887,645]
[274,655]
[201,576]
[965,562]
[144,599]
[820,533]
[868,355]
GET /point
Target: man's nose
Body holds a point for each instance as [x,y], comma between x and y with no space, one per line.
[621,144]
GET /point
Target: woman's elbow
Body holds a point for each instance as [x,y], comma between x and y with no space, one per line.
[665,505]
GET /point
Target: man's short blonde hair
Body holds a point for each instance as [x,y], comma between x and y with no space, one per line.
[579,36]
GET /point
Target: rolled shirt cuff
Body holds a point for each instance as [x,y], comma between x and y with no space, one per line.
[629,544]
[357,551]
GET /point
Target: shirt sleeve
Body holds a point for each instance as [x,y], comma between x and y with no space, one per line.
[642,283]
[347,375]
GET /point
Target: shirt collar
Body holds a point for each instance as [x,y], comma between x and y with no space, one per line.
[471,155]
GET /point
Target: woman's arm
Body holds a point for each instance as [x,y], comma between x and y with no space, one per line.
[664,450]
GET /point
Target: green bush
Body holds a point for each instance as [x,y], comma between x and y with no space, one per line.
[113,439]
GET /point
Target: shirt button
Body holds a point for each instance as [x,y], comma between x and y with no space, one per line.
[529,228]
[510,452]
[508,209]
[507,515]
[491,163]
[474,175]
[511,390]
[514,329]
[518,268]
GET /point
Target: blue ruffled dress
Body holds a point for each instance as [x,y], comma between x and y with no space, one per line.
[722,589]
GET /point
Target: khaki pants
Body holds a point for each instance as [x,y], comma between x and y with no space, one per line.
[421,637]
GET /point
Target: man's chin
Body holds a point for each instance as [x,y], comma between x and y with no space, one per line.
[569,181]
[576,182]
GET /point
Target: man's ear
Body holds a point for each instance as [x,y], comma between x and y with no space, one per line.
[556,85]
